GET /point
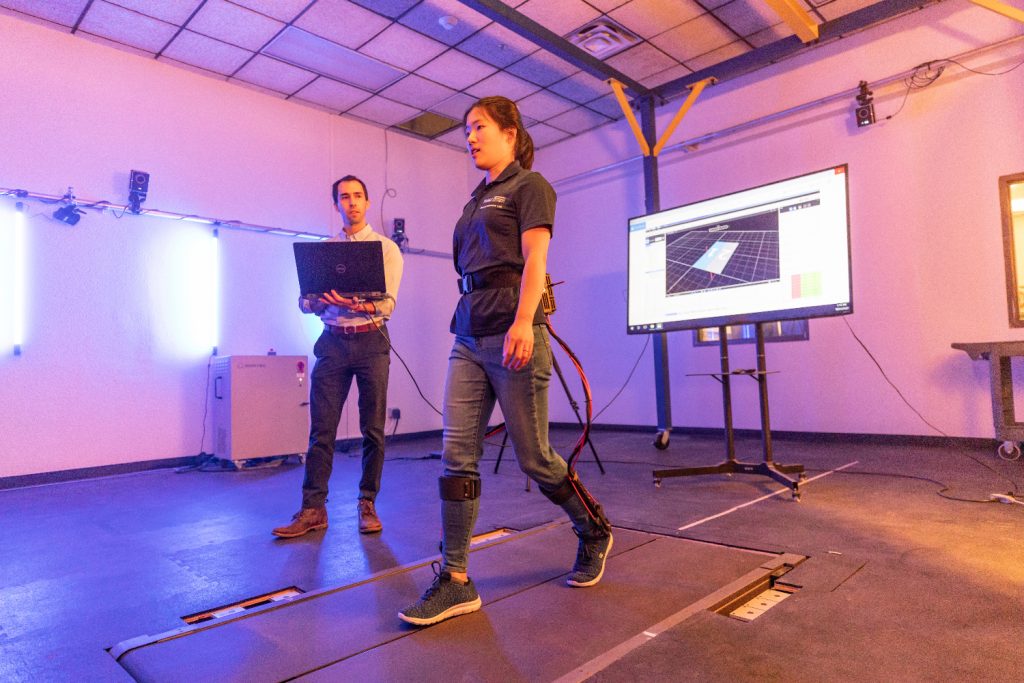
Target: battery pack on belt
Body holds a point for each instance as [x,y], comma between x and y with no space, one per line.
[489,279]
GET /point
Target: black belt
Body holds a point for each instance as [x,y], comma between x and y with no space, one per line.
[491,278]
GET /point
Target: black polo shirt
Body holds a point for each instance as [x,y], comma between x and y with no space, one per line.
[489,235]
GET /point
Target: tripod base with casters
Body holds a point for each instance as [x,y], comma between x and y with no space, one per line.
[775,471]
[731,465]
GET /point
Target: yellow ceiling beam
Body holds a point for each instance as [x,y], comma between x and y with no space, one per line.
[1002,8]
[797,18]
[620,95]
[695,90]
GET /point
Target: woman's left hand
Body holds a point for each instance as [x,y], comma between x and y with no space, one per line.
[518,347]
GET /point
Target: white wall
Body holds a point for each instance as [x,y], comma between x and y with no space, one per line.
[114,361]
[113,373]
[926,233]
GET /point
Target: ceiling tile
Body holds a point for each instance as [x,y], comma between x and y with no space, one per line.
[560,17]
[283,10]
[171,11]
[188,67]
[233,24]
[497,45]
[581,87]
[770,35]
[577,120]
[456,70]
[695,37]
[542,105]
[607,5]
[107,42]
[670,74]
[332,94]
[455,106]
[503,84]
[258,88]
[545,135]
[608,106]
[343,22]
[641,61]
[321,56]
[274,75]
[746,16]
[206,53]
[383,112]
[542,68]
[648,18]
[125,26]
[63,12]
[389,8]
[402,47]
[734,49]
[426,18]
[419,92]
[453,138]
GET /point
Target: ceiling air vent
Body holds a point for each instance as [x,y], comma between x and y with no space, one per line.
[428,125]
[603,38]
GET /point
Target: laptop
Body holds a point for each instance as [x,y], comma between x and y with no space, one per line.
[353,269]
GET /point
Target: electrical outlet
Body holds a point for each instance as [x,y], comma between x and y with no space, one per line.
[396,413]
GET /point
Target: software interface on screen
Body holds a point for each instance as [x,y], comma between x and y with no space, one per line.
[774,252]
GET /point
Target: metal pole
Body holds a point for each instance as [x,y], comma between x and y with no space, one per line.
[730,438]
[762,383]
[662,394]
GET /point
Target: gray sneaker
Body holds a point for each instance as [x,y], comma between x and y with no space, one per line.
[590,559]
[444,599]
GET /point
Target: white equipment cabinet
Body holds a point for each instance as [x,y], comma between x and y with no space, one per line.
[260,406]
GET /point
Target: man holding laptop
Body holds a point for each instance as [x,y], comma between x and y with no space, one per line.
[354,344]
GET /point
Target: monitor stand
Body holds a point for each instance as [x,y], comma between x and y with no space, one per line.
[731,465]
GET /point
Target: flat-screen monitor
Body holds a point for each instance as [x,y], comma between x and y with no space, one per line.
[779,251]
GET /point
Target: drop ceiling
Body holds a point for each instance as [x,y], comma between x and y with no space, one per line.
[389,61]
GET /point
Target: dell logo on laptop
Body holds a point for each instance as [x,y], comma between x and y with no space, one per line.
[340,268]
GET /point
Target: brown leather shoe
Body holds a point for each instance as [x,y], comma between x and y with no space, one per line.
[369,522]
[304,521]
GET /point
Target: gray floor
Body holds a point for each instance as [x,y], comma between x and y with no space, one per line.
[901,584]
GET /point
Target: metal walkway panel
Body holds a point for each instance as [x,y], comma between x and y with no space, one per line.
[546,632]
[531,624]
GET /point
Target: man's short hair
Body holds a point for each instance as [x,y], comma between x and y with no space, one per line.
[348,178]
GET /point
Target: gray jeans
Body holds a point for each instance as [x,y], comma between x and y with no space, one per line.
[476,380]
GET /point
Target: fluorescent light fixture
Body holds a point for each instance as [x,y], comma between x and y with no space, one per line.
[308,51]
[214,291]
[12,278]
[19,278]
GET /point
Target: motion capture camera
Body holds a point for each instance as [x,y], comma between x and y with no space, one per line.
[864,112]
[138,188]
[398,235]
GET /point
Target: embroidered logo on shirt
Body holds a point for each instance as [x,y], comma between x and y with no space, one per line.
[495,202]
